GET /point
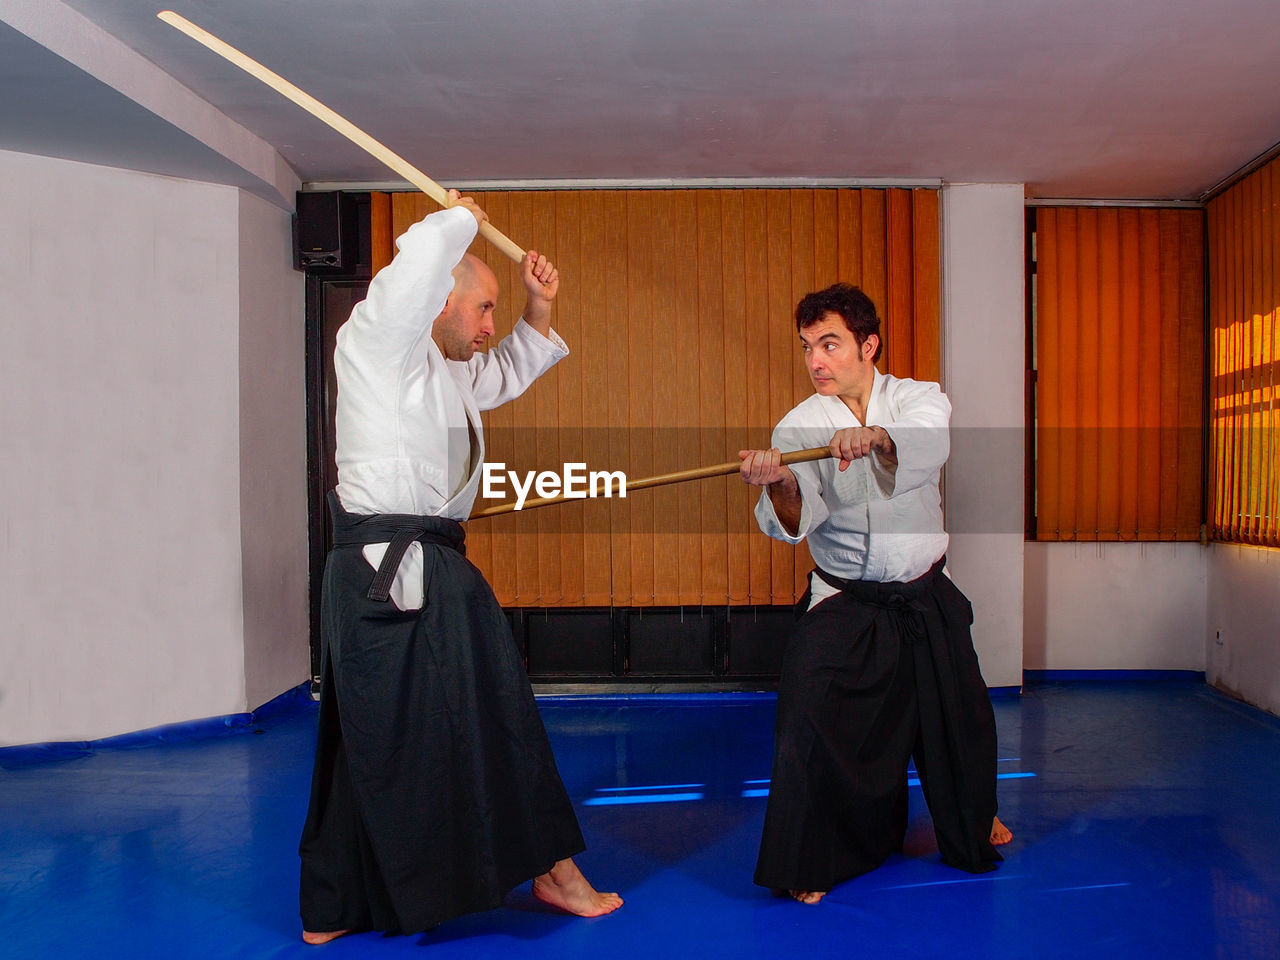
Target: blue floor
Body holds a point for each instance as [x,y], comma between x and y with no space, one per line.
[1146,821]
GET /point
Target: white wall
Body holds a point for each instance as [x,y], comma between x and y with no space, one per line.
[1036,605]
[273,490]
[1243,623]
[1115,606]
[120,431]
[984,323]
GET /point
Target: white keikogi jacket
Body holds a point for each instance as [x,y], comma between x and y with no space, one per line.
[872,521]
[403,412]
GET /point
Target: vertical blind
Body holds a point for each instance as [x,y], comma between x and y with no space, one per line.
[678,308]
[1119,358]
[1244,412]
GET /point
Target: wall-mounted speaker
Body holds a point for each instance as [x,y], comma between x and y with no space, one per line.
[324,232]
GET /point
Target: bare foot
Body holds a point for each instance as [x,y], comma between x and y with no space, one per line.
[1000,834]
[315,939]
[565,887]
[807,896]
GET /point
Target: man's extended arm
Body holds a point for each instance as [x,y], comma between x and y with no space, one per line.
[405,296]
[764,468]
[919,435]
[507,370]
[541,283]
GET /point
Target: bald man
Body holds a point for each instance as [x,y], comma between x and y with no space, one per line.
[434,791]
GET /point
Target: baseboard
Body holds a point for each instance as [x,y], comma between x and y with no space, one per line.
[1004,693]
[286,704]
[1112,676]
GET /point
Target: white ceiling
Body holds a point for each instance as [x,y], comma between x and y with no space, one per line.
[1158,99]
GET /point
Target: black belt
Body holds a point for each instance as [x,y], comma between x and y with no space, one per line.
[398,530]
[891,594]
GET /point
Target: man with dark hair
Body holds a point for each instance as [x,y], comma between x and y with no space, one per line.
[435,791]
[851,304]
[880,666]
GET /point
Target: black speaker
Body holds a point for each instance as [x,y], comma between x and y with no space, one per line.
[324,232]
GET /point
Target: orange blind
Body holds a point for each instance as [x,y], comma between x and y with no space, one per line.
[1119,334]
[1244,412]
[678,308]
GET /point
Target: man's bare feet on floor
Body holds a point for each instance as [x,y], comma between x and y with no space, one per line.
[315,939]
[807,896]
[565,887]
[1000,834]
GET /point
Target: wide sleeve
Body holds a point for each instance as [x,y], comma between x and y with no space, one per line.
[407,295]
[506,371]
[921,434]
[788,437]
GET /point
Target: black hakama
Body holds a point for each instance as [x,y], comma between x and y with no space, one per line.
[435,791]
[872,676]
